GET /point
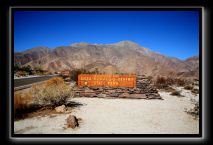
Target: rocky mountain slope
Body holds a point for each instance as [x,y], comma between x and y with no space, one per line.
[121,57]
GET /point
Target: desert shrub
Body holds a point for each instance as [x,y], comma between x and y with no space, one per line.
[188,87]
[53,92]
[25,69]
[170,81]
[180,82]
[195,91]
[21,100]
[176,93]
[195,110]
[21,73]
[149,77]
[16,67]
[163,82]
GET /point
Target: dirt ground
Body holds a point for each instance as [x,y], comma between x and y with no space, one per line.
[120,116]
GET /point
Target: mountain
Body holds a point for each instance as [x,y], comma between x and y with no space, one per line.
[121,57]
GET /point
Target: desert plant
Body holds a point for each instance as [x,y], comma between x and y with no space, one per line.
[195,91]
[21,73]
[180,82]
[53,92]
[160,82]
[163,82]
[149,77]
[21,100]
[195,110]
[188,87]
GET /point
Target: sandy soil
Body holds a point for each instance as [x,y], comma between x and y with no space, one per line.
[120,116]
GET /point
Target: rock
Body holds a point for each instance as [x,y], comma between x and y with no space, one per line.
[138,96]
[89,94]
[94,88]
[72,121]
[119,90]
[89,91]
[124,95]
[113,95]
[112,91]
[60,109]
[101,95]
[154,96]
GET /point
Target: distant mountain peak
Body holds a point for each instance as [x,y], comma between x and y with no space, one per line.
[80,44]
[127,41]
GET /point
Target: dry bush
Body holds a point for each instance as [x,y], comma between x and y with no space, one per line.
[21,73]
[195,91]
[53,92]
[164,82]
[149,77]
[21,100]
[180,82]
[176,93]
[188,87]
[161,82]
[195,110]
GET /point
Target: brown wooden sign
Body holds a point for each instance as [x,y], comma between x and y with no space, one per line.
[106,80]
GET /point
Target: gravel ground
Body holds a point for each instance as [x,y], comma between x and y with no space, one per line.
[120,116]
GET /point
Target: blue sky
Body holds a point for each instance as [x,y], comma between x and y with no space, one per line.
[172,33]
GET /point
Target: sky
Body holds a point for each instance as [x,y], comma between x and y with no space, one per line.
[171,33]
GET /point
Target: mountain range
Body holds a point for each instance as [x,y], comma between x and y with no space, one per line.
[121,57]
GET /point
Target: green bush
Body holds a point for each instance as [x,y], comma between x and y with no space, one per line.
[26,69]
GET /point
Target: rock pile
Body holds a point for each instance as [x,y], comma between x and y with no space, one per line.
[144,90]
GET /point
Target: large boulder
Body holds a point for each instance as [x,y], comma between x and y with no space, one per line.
[72,121]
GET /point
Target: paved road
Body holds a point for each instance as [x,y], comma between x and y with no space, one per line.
[18,83]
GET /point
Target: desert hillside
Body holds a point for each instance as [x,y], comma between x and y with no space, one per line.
[121,57]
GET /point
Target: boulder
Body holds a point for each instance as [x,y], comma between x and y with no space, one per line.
[124,95]
[112,91]
[154,96]
[89,94]
[72,121]
[60,109]
[89,91]
[101,95]
[138,96]
[113,95]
